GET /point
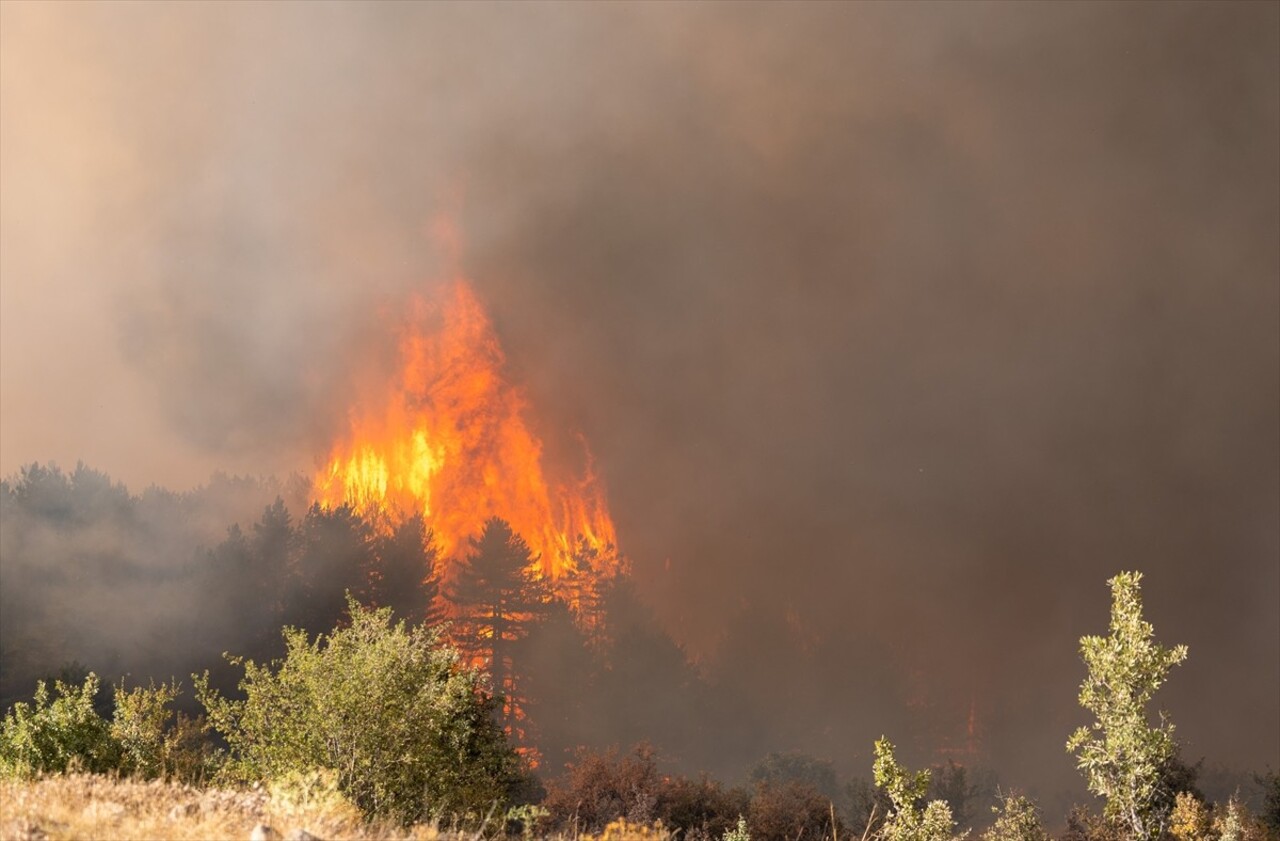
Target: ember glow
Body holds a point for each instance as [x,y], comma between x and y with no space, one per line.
[451,438]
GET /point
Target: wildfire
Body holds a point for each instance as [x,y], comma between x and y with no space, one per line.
[450,439]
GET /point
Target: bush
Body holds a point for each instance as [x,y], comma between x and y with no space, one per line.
[789,811]
[153,744]
[701,808]
[598,789]
[58,733]
[1017,819]
[410,733]
[907,822]
[68,733]
[1191,819]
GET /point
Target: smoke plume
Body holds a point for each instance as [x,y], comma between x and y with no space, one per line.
[895,330]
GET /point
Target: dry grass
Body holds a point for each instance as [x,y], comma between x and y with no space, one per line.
[100,808]
[97,807]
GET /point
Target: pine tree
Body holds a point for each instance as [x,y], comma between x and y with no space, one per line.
[334,556]
[408,576]
[498,597]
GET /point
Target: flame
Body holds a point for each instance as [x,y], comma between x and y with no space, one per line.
[450,439]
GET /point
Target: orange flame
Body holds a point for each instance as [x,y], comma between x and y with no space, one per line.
[451,440]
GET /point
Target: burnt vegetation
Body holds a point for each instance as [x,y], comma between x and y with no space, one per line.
[419,696]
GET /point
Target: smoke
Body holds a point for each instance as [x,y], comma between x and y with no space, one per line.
[895,330]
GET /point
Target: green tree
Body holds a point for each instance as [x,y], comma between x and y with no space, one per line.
[907,821]
[409,732]
[1122,755]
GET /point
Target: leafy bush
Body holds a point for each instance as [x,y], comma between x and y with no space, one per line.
[156,744]
[1191,820]
[1017,819]
[1234,822]
[68,733]
[58,733]
[409,732]
[907,822]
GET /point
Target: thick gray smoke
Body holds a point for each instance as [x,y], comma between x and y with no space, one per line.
[895,329]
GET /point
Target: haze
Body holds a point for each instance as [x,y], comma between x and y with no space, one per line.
[893,328]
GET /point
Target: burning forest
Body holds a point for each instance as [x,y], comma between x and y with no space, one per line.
[805,373]
[450,439]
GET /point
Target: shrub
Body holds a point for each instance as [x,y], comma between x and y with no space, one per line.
[57,733]
[701,808]
[1017,819]
[789,811]
[409,732]
[1191,819]
[907,822]
[67,732]
[1234,822]
[139,727]
[599,788]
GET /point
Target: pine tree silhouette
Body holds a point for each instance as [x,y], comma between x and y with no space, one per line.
[498,598]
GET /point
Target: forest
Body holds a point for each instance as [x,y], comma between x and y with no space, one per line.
[318,645]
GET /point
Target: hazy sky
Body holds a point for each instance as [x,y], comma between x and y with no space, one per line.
[910,322]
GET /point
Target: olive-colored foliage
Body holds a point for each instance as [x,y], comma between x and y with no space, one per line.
[139,726]
[1124,757]
[66,732]
[1017,819]
[907,821]
[155,745]
[410,732]
[58,732]
[1233,821]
